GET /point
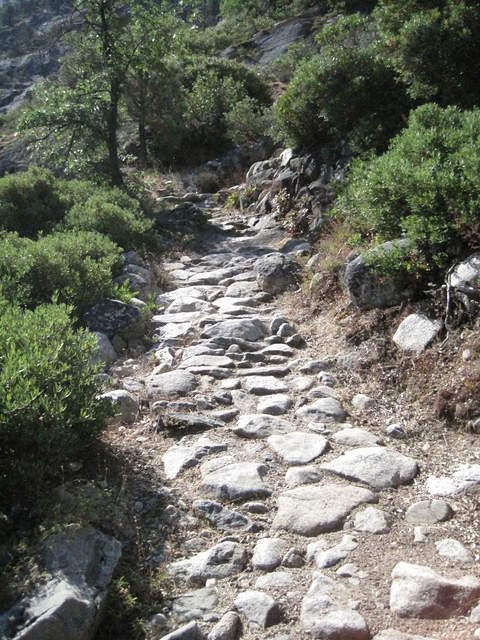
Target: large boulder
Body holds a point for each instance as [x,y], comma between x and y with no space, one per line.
[115,318]
[274,272]
[370,289]
[79,562]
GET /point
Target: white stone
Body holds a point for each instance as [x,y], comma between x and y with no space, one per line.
[322,410]
[268,553]
[362,402]
[454,550]
[415,333]
[372,520]
[298,447]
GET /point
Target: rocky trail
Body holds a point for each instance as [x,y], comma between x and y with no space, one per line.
[290,515]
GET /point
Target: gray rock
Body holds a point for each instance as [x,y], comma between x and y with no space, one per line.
[82,561]
[323,618]
[420,592]
[325,558]
[241,289]
[355,437]
[252,330]
[187,421]
[278,349]
[259,609]
[392,634]
[454,550]
[296,476]
[264,371]
[124,404]
[322,410]
[429,512]
[314,366]
[223,560]
[232,482]
[268,553]
[220,517]
[210,362]
[260,426]
[396,431]
[371,289]
[293,559]
[273,272]
[264,385]
[172,383]
[415,333]
[362,402]
[276,581]
[298,447]
[311,510]
[227,628]
[113,317]
[466,273]
[190,631]
[324,391]
[303,383]
[180,457]
[275,405]
[372,520]
[104,351]
[378,467]
[465,477]
[194,605]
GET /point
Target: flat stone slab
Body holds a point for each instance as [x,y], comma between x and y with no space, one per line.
[356,437]
[238,481]
[465,477]
[251,329]
[309,510]
[194,605]
[219,516]
[298,447]
[206,361]
[276,581]
[261,426]
[419,592]
[171,383]
[264,385]
[454,551]
[180,457]
[378,467]
[190,317]
[296,476]
[322,410]
[373,520]
[275,405]
[429,512]
[223,560]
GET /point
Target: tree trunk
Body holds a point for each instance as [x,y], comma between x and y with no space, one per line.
[142,134]
[112,129]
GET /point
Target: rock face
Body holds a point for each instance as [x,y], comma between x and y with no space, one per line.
[420,592]
[415,333]
[369,289]
[81,562]
[311,510]
[378,467]
[273,272]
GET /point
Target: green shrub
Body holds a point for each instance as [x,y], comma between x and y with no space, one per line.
[344,92]
[49,412]
[76,266]
[30,202]
[426,186]
[433,46]
[125,225]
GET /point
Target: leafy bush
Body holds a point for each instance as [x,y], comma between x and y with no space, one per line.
[426,186]
[49,410]
[114,214]
[433,45]
[346,91]
[76,266]
[30,202]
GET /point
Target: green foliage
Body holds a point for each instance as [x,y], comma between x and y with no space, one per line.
[346,91]
[30,202]
[113,214]
[247,122]
[76,267]
[433,46]
[426,186]
[49,412]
